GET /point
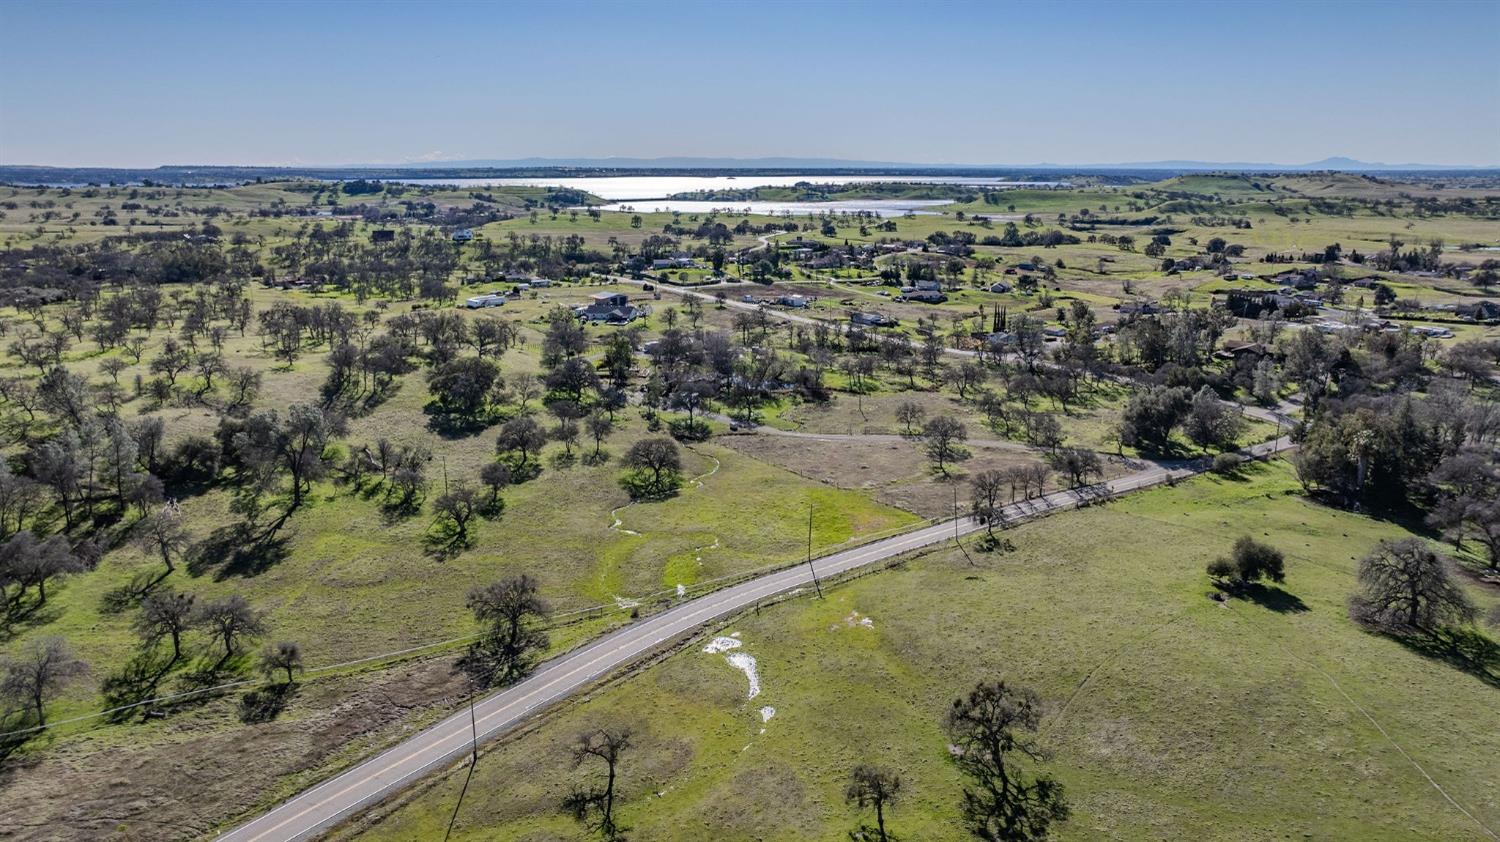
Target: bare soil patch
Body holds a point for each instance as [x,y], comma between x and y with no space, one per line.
[896,472]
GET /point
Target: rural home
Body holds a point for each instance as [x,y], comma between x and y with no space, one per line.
[1000,339]
[1479,311]
[871,319]
[610,308]
[1304,279]
[1234,350]
[489,299]
[924,296]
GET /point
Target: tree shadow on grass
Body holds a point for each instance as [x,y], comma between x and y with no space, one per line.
[1272,598]
[199,684]
[266,703]
[130,594]
[452,426]
[11,741]
[136,682]
[1465,649]
[240,549]
[358,405]
[15,618]
[187,485]
[1244,472]
[375,486]
[522,472]
[443,542]
[394,509]
[641,489]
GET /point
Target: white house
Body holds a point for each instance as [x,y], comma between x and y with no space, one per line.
[489,299]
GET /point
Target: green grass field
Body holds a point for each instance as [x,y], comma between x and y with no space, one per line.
[1169,715]
[350,578]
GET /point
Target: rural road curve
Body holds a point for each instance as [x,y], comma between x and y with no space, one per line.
[309,814]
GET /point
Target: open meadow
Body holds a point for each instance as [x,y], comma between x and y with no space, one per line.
[1166,714]
[317,420]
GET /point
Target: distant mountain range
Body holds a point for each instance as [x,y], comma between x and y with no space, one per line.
[1335,163]
[688,163]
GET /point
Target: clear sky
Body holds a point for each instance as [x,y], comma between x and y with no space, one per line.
[147,83]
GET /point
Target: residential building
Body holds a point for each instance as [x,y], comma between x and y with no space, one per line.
[872,319]
[610,308]
[489,299]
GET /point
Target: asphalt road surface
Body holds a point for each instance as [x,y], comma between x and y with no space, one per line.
[307,815]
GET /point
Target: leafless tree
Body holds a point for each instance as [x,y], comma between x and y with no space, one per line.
[495,476]
[988,506]
[509,611]
[29,561]
[281,657]
[593,805]
[871,787]
[230,620]
[942,436]
[43,667]
[1405,585]
[990,730]
[163,532]
[456,508]
[910,414]
[166,613]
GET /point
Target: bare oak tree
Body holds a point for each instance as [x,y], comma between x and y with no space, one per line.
[43,667]
[1405,585]
[990,730]
[871,787]
[593,805]
[509,610]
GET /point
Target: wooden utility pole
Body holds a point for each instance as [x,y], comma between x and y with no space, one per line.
[816,585]
[473,760]
[956,540]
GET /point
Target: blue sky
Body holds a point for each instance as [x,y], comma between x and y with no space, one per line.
[146,83]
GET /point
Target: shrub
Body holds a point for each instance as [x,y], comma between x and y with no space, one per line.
[1249,561]
[695,430]
[1227,463]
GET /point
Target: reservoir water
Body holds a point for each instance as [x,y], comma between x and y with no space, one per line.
[636,188]
[649,192]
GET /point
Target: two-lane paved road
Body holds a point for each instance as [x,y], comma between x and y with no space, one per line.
[307,815]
